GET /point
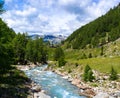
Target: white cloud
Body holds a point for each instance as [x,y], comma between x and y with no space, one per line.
[26,12]
[97,9]
[53,16]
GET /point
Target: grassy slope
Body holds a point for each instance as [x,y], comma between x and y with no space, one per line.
[103,63]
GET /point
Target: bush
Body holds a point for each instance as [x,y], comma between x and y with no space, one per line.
[61,62]
[90,55]
[58,53]
[69,71]
[76,64]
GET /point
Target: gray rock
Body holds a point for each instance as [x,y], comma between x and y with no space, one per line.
[101,95]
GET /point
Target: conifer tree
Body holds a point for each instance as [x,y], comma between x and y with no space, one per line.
[113,74]
[87,68]
[88,74]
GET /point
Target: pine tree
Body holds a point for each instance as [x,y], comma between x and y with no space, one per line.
[19,43]
[87,68]
[113,74]
[88,74]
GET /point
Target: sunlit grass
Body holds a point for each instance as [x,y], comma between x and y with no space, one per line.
[100,64]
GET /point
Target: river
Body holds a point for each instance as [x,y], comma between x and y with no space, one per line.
[53,84]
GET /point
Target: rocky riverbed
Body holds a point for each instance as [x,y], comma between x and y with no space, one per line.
[101,88]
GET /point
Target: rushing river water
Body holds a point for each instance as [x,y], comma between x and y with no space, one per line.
[53,84]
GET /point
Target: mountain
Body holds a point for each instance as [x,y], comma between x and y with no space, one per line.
[53,39]
[98,32]
[33,36]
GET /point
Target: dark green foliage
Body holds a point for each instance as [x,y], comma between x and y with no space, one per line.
[88,74]
[102,52]
[59,53]
[6,48]
[76,64]
[61,62]
[29,50]
[113,74]
[90,55]
[6,37]
[19,44]
[97,33]
[69,71]
[87,68]
[36,51]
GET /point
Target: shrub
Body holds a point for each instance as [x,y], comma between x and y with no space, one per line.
[76,64]
[61,62]
[90,55]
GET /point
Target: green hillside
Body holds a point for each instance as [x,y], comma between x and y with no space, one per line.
[98,32]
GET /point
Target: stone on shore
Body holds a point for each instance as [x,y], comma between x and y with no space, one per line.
[88,92]
[41,95]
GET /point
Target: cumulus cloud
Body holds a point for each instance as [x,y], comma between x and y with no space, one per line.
[53,16]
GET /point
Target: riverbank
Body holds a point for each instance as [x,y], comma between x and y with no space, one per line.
[35,90]
[101,88]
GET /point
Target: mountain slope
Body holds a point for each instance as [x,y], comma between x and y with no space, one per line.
[98,32]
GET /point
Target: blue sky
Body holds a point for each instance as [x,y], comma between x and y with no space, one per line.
[53,16]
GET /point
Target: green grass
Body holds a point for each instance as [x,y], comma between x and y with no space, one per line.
[101,64]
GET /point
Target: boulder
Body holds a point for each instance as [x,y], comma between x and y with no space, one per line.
[88,92]
[41,95]
[36,88]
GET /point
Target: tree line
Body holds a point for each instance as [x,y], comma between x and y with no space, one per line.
[27,49]
[19,48]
